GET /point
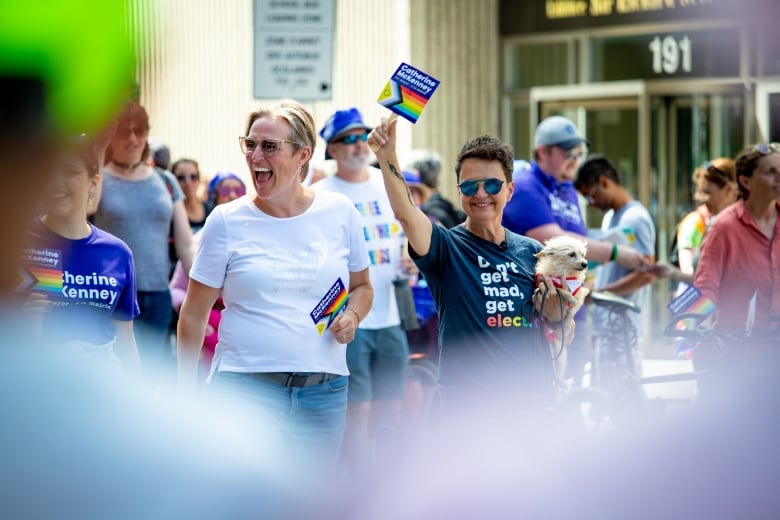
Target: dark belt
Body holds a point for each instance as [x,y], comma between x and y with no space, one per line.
[296,379]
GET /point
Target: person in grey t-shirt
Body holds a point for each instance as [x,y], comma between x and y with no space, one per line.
[141,204]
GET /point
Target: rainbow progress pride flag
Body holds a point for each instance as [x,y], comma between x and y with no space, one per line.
[329,306]
[692,300]
[49,280]
[408,91]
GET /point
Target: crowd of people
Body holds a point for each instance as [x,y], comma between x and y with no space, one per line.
[217,266]
[284,297]
[291,356]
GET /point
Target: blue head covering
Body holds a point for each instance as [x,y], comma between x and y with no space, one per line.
[217,180]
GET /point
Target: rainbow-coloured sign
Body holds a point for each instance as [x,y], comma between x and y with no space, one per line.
[329,306]
[408,91]
[692,300]
[49,280]
[42,271]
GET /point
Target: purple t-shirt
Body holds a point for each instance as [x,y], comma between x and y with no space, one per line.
[90,282]
[539,199]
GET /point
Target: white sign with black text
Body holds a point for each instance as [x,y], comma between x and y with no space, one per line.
[293,49]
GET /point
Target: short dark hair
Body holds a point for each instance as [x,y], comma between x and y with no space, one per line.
[487,148]
[595,167]
[185,160]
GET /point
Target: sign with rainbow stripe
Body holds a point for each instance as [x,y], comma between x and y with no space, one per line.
[692,300]
[329,306]
[42,272]
[408,91]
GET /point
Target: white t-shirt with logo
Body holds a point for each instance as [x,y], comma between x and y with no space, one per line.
[384,238]
[281,279]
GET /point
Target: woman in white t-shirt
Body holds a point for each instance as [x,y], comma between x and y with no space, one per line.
[292,269]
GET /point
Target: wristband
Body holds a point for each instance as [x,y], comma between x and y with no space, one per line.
[356,314]
[614,253]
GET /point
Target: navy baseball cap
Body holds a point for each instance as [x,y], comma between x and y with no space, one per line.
[558,131]
[340,122]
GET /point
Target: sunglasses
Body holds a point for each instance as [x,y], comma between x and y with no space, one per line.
[138,131]
[352,138]
[268,146]
[226,191]
[710,167]
[571,154]
[469,188]
[768,148]
[193,177]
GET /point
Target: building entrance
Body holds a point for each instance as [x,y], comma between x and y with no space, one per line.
[655,139]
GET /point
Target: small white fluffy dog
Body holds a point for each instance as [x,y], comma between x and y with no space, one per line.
[563,261]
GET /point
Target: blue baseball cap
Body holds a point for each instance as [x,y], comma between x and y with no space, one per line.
[412,178]
[340,122]
[558,131]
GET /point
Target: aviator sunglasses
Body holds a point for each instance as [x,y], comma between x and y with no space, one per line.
[469,188]
[352,138]
[268,146]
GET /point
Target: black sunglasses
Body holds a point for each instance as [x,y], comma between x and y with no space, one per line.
[352,138]
[469,188]
[124,132]
[182,177]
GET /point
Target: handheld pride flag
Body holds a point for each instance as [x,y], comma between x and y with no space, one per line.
[692,300]
[329,306]
[408,91]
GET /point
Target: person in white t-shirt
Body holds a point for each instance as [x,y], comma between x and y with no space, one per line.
[292,267]
[379,355]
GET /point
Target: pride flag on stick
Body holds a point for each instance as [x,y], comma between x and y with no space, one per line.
[408,91]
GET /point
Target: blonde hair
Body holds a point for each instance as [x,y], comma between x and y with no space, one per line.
[302,128]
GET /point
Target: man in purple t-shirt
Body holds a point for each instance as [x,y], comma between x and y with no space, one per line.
[545,204]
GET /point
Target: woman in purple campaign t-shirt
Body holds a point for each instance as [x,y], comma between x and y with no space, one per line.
[84,279]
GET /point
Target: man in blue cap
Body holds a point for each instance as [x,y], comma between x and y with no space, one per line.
[545,205]
[378,356]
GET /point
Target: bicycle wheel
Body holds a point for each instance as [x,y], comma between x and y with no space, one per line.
[615,372]
[420,393]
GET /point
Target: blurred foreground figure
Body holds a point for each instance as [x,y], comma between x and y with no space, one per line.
[75,444]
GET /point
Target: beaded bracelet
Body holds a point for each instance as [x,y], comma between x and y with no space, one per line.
[614,253]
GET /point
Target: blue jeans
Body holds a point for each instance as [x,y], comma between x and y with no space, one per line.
[309,419]
[377,361]
[151,333]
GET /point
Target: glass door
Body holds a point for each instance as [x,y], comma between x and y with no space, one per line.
[612,127]
[686,131]
[656,140]
[768,112]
